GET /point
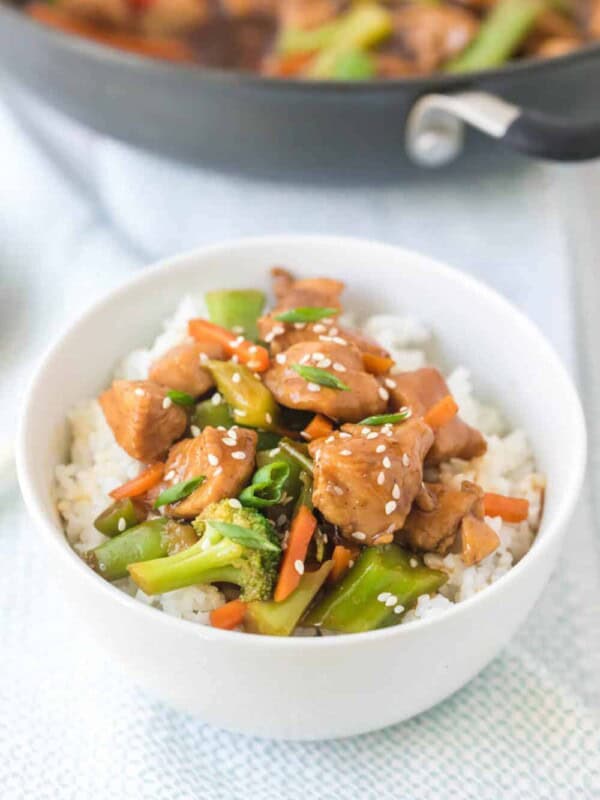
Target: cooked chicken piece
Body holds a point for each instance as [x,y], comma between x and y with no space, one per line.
[105,12]
[305,14]
[366,478]
[226,459]
[314,292]
[181,367]
[281,335]
[245,8]
[422,389]
[555,46]
[173,17]
[364,398]
[433,34]
[143,419]
[452,521]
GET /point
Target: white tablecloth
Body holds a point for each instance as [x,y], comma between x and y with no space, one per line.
[77,215]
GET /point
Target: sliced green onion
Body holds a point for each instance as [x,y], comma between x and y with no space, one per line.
[243,536]
[306,314]
[320,376]
[305,461]
[178,492]
[267,485]
[181,398]
[387,419]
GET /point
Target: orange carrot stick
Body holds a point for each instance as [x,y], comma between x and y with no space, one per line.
[442,412]
[303,527]
[253,355]
[287,66]
[511,509]
[377,365]
[228,616]
[341,557]
[142,483]
[318,427]
[152,46]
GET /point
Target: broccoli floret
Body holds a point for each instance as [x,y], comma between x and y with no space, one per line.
[236,545]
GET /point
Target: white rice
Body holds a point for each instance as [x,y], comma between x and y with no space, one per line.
[97,464]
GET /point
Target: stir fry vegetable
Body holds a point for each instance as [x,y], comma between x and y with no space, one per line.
[292,566]
[237,310]
[251,403]
[120,516]
[146,480]
[267,487]
[245,351]
[382,585]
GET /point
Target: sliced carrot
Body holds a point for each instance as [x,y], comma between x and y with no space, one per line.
[142,483]
[318,427]
[228,616]
[442,412]
[152,46]
[253,355]
[287,66]
[511,509]
[341,557]
[377,365]
[303,527]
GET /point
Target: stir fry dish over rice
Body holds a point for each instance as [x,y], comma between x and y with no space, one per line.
[290,472]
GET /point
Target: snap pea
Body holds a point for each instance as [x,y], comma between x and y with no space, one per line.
[251,403]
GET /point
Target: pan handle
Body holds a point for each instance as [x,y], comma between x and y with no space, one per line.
[435,129]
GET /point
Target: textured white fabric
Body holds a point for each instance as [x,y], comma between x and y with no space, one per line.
[72,726]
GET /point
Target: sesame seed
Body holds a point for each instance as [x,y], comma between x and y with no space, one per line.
[278,330]
[213,459]
[216,399]
[391,601]
[281,520]
[333,331]
[339,340]
[236,377]
[237,329]
[305,358]
[237,341]
[318,328]
[313,387]
[339,367]
[269,337]
[203,358]
[390,383]
[234,502]
[383,596]
[268,418]
[330,439]
[139,391]
[299,326]
[380,448]
[253,349]
[325,338]
[167,402]
[398,609]
[373,435]
[359,536]
[406,460]
[229,441]
[396,492]
[345,452]
[390,507]
[327,320]
[383,393]
[122,524]
[338,490]
[317,356]
[170,475]
[345,435]
[386,462]
[299,566]
[218,471]
[235,359]
[281,358]
[324,363]
[413,562]
[240,413]
[239,455]
[381,479]
[195,430]
[351,563]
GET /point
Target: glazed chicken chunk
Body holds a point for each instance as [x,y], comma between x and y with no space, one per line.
[143,419]
[181,367]
[422,389]
[362,398]
[445,519]
[226,459]
[311,293]
[366,477]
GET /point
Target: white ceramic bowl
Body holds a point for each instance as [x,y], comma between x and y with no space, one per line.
[333,686]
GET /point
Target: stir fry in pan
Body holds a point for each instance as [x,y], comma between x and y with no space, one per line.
[332,39]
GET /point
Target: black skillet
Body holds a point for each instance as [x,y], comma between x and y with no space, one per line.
[236,121]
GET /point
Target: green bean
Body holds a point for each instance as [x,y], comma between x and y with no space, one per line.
[119,517]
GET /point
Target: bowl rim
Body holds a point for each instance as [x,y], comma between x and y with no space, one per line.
[569,492]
